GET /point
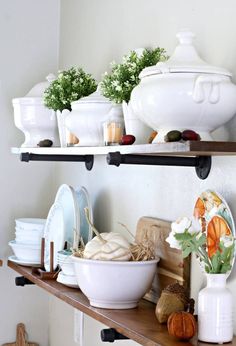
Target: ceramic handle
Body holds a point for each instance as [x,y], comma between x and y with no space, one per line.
[199,94]
[185,36]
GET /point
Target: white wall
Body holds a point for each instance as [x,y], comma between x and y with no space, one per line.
[92,34]
[29,32]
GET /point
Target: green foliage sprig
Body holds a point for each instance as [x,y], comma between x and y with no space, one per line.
[70,86]
[220,262]
[119,83]
[186,235]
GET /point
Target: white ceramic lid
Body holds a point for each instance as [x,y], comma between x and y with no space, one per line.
[38,89]
[185,59]
[35,95]
[95,97]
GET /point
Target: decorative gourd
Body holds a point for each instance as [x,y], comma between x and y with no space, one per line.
[106,246]
[173,298]
[182,325]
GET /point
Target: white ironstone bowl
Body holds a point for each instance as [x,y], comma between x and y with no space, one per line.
[113,284]
[26,252]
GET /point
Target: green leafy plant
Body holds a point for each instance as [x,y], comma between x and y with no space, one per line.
[70,86]
[119,83]
[186,236]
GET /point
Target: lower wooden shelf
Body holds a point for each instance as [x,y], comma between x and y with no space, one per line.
[138,324]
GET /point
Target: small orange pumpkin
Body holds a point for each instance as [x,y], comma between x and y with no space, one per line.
[215,229]
[182,325]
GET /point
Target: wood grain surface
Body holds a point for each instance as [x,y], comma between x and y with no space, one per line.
[139,324]
[21,337]
[172,267]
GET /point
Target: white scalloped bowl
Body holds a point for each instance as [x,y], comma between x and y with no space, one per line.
[31,224]
[113,284]
[26,252]
[34,239]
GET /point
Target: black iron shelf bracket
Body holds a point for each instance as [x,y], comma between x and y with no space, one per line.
[202,164]
[88,159]
[22,281]
[111,335]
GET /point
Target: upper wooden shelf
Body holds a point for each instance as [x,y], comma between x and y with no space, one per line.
[138,324]
[189,148]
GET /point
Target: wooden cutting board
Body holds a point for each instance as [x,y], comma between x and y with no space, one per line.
[21,339]
[172,267]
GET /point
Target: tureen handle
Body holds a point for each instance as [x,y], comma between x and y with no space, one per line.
[185,36]
[51,77]
[199,94]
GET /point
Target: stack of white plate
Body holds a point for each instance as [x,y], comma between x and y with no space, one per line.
[67,274]
[27,243]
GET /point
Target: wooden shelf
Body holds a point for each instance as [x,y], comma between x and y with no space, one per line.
[189,148]
[138,324]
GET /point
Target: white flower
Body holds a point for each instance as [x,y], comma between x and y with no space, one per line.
[115,83]
[183,224]
[227,240]
[173,241]
[180,225]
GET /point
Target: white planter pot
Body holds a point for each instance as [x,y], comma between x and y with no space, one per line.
[35,120]
[184,93]
[215,311]
[134,126]
[61,126]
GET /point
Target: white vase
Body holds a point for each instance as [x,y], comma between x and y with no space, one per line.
[134,126]
[215,311]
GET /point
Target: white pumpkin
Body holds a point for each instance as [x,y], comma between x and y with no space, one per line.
[108,247]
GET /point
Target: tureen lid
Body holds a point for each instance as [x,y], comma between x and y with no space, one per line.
[35,95]
[95,97]
[38,89]
[184,59]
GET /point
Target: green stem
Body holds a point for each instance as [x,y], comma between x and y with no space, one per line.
[202,254]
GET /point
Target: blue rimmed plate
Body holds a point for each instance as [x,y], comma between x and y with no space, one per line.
[83,201]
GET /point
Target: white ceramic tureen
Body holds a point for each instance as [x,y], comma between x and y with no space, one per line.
[35,120]
[184,93]
[87,117]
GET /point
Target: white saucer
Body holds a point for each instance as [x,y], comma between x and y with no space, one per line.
[23,262]
[67,280]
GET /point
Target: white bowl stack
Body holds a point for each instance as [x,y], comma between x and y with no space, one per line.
[67,273]
[27,243]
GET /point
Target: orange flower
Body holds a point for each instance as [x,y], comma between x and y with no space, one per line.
[215,229]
